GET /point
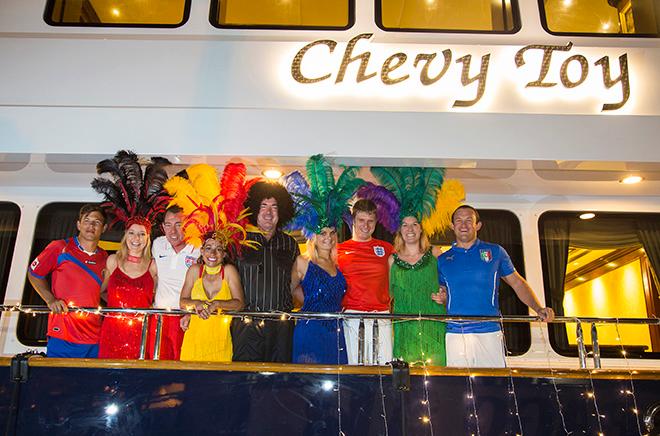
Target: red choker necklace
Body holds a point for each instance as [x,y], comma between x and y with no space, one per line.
[134,259]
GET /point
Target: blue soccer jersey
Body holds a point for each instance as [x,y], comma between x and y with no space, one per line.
[472,278]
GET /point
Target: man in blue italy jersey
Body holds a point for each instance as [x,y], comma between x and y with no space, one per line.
[469,273]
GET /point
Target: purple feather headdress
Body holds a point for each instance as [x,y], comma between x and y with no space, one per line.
[387,206]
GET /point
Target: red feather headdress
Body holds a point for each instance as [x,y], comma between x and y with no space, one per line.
[213,208]
[132,195]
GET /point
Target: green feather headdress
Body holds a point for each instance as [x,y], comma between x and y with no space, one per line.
[319,200]
[422,193]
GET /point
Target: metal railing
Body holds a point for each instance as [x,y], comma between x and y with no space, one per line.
[247,315]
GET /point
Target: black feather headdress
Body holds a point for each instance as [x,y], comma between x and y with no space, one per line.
[132,195]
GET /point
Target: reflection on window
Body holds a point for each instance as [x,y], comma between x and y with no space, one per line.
[608,17]
[502,227]
[54,221]
[603,267]
[282,13]
[161,13]
[448,15]
[10,215]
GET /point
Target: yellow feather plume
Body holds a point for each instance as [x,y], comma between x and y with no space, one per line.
[449,198]
[204,179]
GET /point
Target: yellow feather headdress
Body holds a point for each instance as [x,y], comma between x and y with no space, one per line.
[213,208]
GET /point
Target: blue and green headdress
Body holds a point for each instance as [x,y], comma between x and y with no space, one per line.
[319,200]
[423,193]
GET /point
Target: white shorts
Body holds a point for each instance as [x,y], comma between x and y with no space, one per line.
[383,350]
[475,350]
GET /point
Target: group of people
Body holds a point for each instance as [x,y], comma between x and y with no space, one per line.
[210,261]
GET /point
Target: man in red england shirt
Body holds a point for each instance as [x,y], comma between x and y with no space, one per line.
[76,266]
[364,262]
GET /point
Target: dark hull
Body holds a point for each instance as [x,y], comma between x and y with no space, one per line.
[72,397]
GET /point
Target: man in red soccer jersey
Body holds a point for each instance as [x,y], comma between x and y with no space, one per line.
[76,266]
[364,262]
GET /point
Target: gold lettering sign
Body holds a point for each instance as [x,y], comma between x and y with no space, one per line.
[425,61]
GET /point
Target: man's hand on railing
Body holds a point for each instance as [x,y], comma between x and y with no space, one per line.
[546,314]
[58,306]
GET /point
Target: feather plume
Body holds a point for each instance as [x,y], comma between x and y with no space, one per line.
[415,188]
[450,197]
[320,202]
[319,174]
[213,208]
[387,205]
[129,192]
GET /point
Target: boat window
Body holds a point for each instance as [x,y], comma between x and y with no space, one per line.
[485,16]
[54,221]
[291,14]
[502,227]
[119,13]
[601,17]
[10,215]
[605,266]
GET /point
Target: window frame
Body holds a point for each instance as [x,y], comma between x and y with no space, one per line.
[515,14]
[571,350]
[544,24]
[215,5]
[50,5]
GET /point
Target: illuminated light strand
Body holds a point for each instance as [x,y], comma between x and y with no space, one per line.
[427,400]
[560,406]
[512,390]
[382,399]
[470,395]
[592,395]
[339,368]
[630,392]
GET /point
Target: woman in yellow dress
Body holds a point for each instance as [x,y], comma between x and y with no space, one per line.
[214,220]
[209,288]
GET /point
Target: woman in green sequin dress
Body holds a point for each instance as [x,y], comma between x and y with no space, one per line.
[413,278]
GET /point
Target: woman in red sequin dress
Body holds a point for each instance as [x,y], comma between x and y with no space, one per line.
[129,282]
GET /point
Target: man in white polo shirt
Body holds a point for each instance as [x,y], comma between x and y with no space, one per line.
[173,258]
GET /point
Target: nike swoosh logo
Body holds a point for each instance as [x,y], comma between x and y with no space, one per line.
[160,256]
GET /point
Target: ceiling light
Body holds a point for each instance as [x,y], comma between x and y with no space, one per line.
[629,180]
[587,216]
[272,174]
[115,12]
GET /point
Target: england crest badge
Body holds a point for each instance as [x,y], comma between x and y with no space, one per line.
[379,250]
[486,255]
[190,260]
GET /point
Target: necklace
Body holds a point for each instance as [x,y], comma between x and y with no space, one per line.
[134,259]
[212,270]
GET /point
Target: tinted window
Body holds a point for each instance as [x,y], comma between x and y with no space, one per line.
[143,13]
[605,266]
[10,215]
[294,14]
[601,17]
[448,15]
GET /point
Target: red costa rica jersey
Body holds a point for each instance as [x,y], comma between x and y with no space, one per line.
[76,278]
[365,266]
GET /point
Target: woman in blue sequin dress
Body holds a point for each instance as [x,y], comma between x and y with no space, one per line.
[322,287]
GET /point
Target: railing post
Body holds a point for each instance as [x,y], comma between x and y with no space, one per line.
[361,342]
[374,338]
[159,328]
[143,341]
[596,347]
[582,351]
